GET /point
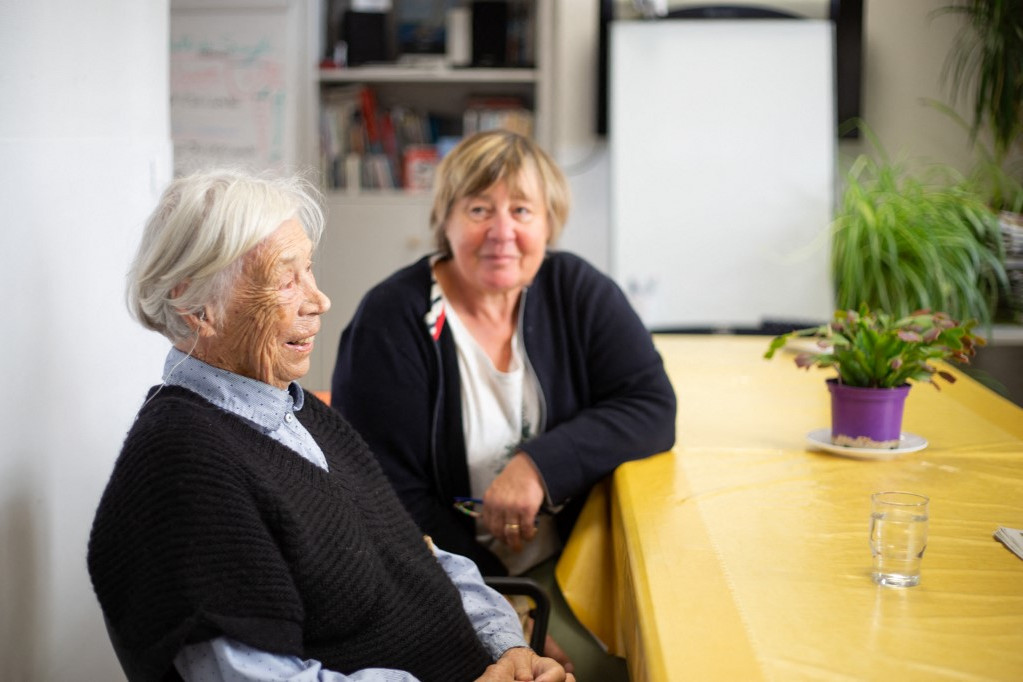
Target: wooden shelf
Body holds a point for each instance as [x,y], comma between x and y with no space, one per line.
[375,196]
[1006,335]
[408,74]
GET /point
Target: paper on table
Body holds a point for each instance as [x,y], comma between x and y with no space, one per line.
[1012,538]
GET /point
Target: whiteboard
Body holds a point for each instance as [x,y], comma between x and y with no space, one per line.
[237,87]
[722,148]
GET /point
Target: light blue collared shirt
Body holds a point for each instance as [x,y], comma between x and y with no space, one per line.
[271,411]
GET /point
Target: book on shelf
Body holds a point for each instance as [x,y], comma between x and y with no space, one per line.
[490,113]
[377,172]
[336,112]
[420,163]
[371,121]
[358,146]
[364,145]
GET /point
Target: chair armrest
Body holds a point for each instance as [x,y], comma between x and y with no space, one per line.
[541,611]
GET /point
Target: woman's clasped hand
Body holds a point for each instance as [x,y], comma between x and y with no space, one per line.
[522,664]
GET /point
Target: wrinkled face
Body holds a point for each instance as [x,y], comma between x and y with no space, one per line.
[498,237]
[273,313]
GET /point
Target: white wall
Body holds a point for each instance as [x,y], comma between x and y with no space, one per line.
[904,53]
[581,154]
[84,150]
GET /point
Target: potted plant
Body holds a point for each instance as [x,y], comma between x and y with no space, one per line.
[876,355]
[985,64]
[904,241]
[988,55]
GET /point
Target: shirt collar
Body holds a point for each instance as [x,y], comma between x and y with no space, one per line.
[260,403]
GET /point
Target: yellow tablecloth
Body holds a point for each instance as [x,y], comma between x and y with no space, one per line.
[742,554]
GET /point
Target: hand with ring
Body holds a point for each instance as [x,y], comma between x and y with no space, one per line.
[512,501]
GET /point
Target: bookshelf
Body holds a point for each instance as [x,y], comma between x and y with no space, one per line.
[368,114]
[427,74]
[372,231]
[367,125]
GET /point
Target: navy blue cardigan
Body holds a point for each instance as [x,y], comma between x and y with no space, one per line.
[606,397]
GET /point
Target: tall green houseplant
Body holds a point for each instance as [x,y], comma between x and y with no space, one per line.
[987,58]
[985,64]
[903,242]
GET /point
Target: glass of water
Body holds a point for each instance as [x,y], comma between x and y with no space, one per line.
[898,537]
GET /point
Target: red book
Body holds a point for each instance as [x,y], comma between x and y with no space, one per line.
[369,117]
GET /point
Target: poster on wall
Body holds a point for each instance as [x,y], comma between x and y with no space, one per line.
[234,95]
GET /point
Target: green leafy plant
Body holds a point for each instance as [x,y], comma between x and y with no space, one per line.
[998,179]
[1002,186]
[987,59]
[877,350]
[902,242]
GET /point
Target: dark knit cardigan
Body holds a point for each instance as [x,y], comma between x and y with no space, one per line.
[606,398]
[207,528]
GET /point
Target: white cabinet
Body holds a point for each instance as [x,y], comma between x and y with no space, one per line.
[367,238]
[372,232]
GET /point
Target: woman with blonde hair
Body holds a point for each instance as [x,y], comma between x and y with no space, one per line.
[498,369]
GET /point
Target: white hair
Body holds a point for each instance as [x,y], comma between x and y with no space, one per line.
[192,247]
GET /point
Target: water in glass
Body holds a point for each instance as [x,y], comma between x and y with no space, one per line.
[898,538]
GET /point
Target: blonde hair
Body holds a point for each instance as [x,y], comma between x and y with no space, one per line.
[479,161]
[192,246]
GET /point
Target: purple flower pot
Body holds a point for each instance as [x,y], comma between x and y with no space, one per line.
[866,417]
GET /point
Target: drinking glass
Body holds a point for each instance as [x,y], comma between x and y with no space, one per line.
[898,537]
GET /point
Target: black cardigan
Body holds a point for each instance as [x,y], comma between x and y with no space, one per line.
[606,396]
[207,528]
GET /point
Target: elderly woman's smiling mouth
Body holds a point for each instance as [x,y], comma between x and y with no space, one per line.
[302,345]
[307,341]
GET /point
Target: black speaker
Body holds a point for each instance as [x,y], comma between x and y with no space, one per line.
[606,16]
[848,18]
[489,33]
[366,36]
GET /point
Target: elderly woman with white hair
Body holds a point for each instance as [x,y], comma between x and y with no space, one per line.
[246,531]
